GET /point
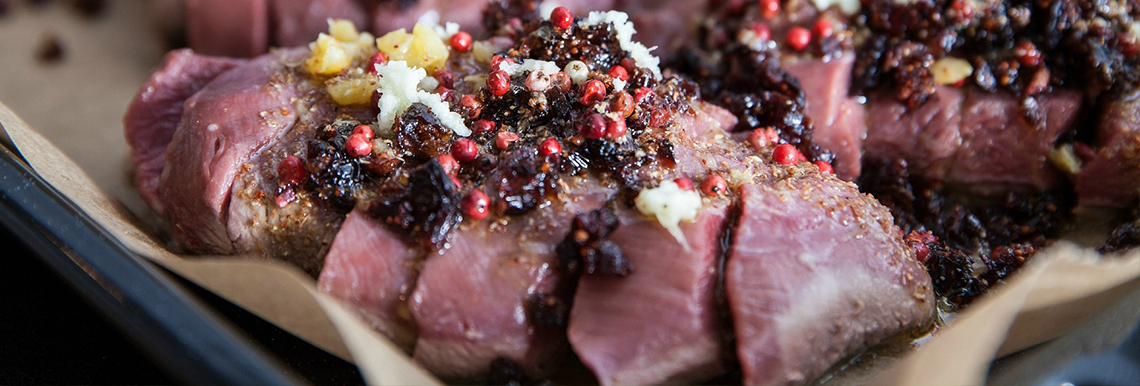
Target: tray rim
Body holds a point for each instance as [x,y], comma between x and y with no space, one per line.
[178,332]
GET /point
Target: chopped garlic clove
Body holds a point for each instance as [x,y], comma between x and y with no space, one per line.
[334,52]
[327,56]
[849,7]
[399,89]
[355,89]
[670,205]
[530,65]
[421,48]
[1066,159]
[951,70]
[343,30]
[624,30]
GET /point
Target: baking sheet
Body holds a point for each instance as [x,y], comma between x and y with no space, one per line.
[73,139]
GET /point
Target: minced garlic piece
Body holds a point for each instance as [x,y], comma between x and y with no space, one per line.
[624,30]
[482,51]
[343,30]
[399,89]
[849,7]
[951,70]
[431,19]
[670,205]
[327,56]
[334,52]
[1066,159]
[355,88]
[422,48]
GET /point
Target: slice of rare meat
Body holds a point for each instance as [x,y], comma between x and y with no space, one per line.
[1001,147]
[926,136]
[297,22]
[1112,177]
[660,324]
[816,272]
[373,269]
[472,301]
[223,125]
[238,28]
[153,115]
[839,118]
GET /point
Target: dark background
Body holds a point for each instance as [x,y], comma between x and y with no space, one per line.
[49,334]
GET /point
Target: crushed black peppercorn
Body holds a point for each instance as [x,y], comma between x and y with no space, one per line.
[587,250]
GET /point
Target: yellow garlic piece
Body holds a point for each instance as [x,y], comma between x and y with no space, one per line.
[339,49]
[353,88]
[422,48]
[328,56]
[951,70]
[343,30]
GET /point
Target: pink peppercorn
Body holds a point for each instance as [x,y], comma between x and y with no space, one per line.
[464,150]
[618,72]
[483,126]
[291,170]
[822,27]
[549,147]
[447,162]
[798,38]
[592,91]
[499,83]
[593,127]
[504,139]
[562,18]
[761,31]
[475,205]
[785,154]
[364,130]
[714,185]
[615,128]
[769,8]
[375,59]
[684,183]
[358,146]
[461,41]
[824,166]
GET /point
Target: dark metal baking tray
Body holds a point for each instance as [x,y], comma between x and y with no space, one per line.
[173,322]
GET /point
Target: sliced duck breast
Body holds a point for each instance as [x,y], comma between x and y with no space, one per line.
[659,325]
[1001,147]
[839,118]
[154,114]
[472,301]
[237,28]
[927,136]
[224,124]
[373,269]
[297,22]
[1112,177]
[816,272]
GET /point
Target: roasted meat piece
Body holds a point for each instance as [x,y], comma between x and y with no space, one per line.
[493,203]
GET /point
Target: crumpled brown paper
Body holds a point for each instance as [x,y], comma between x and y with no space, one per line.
[1060,288]
[278,293]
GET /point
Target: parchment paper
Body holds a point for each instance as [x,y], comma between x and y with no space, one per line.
[78,105]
